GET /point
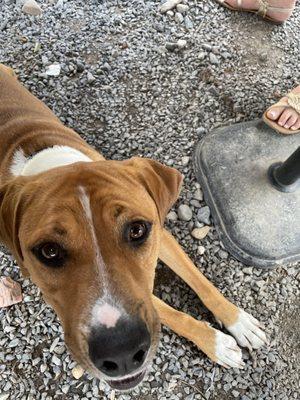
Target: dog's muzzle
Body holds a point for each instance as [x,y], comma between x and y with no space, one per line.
[120,352]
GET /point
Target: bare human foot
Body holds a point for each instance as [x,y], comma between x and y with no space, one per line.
[286,117]
[282,15]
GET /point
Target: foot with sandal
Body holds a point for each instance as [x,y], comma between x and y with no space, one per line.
[284,116]
[276,11]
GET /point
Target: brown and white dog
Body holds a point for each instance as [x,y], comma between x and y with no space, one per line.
[89,232]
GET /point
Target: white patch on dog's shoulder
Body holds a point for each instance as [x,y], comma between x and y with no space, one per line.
[228,352]
[247,331]
[51,157]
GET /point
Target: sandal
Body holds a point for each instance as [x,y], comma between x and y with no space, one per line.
[264,8]
[293,101]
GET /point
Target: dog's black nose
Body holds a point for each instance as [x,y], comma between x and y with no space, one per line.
[120,350]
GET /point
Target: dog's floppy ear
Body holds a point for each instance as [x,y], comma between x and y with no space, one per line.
[11,202]
[162,183]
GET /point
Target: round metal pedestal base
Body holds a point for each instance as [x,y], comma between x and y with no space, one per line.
[258,224]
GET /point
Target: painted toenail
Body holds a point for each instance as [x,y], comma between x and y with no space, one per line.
[286,126]
[293,128]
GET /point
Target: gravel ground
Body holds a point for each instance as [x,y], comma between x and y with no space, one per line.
[129,89]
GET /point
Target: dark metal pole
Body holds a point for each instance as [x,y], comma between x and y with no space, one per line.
[285,176]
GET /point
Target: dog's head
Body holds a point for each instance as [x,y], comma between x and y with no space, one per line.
[88,235]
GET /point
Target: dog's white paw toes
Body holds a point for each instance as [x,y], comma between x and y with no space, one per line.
[228,353]
[248,332]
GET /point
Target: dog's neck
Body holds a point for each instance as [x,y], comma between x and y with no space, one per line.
[52,157]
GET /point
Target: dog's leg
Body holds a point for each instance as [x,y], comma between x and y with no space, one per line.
[6,69]
[216,345]
[241,325]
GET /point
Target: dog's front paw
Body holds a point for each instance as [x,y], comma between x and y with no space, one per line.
[228,353]
[247,331]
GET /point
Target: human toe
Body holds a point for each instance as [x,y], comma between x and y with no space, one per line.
[284,117]
[274,113]
[291,121]
[296,125]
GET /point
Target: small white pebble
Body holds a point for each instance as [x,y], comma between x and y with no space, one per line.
[77,372]
[53,70]
[90,77]
[201,250]
[172,216]
[169,5]
[65,389]
[31,7]
[182,8]
[185,160]
[54,344]
[181,43]
[56,360]
[113,395]
[200,233]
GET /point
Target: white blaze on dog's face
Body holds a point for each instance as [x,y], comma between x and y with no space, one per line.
[88,235]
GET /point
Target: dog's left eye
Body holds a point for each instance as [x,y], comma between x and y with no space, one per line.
[50,254]
[137,232]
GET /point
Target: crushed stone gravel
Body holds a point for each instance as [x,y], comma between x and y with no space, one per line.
[128,92]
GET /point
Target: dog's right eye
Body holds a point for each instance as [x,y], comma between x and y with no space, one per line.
[50,254]
[137,232]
